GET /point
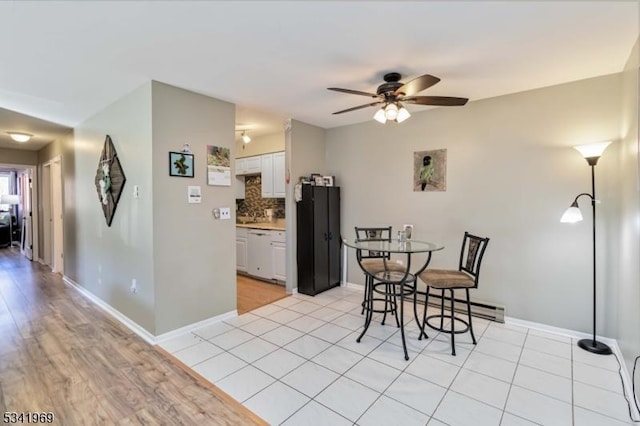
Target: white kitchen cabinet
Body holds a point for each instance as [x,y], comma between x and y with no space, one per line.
[248,165]
[278,255]
[267,176]
[240,187]
[278,175]
[273,175]
[242,255]
[259,259]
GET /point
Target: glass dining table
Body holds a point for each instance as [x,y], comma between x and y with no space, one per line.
[395,284]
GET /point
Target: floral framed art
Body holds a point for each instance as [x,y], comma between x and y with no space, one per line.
[181,164]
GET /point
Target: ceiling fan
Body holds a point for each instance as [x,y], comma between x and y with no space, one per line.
[393,93]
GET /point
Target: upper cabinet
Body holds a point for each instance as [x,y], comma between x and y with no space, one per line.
[278,175]
[273,175]
[267,176]
[249,165]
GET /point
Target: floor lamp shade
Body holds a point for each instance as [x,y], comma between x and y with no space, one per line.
[591,153]
[11,199]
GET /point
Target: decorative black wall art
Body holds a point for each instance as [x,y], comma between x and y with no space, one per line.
[109,180]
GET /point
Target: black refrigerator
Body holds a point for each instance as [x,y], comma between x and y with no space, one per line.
[319,241]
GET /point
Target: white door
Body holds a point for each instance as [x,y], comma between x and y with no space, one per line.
[46,214]
[57,218]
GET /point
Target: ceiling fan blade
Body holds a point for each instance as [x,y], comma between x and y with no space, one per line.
[417,85]
[435,100]
[359,107]
[353,92]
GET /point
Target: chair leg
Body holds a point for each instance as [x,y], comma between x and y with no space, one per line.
[369,310]
[415,310]
[442,311]
[453,325]
[394,300]
[366,288]
[473,337]
[424,316]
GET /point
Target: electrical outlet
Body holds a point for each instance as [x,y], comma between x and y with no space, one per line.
[134,286]
[136,191]
[225,213]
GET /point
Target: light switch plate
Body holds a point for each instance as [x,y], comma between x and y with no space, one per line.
[225,213]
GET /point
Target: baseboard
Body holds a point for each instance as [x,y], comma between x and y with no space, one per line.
[126,321]
[191,327]
[354,286]
[135,327]
[612,343]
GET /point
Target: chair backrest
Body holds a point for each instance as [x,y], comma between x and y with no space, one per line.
[374,234]
[473,248]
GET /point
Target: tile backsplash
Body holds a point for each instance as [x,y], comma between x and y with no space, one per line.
[254,204]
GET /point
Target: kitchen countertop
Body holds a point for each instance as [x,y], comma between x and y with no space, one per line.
[277,225]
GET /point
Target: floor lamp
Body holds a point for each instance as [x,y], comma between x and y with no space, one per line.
[591,153]
[12,200]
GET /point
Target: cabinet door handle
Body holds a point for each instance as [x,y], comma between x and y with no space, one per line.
[326,237]
[330,236]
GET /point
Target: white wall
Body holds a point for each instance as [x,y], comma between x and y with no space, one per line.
[105,259]
[511,174]
[194,269]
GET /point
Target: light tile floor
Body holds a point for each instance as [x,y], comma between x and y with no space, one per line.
[297,362]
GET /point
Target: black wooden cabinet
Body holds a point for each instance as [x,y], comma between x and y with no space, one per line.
[318,217]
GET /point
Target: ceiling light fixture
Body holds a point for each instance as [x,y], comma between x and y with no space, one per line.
[245,137]
[19,136]
[393,111]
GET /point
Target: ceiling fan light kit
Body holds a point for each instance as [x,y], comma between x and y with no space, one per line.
[392,92]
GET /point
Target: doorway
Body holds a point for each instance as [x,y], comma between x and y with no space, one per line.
[53,220]
[253,293]
[22,182]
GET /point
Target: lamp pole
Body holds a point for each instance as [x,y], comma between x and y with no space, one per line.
[592,345]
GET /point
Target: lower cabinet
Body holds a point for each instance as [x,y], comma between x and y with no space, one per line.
[261,253]
[242,255]
[279,255]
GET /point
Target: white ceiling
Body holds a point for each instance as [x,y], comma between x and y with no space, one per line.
[65,61]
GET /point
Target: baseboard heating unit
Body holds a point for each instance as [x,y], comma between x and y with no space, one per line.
[487,310]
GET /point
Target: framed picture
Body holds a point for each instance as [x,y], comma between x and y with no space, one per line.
[430,170]
[408,230]
[218,166]
[318,181]
[328,180]
[181,164]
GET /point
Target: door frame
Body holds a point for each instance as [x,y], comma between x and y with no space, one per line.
[53,214]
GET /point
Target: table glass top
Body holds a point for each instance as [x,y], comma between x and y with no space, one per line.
[394,246]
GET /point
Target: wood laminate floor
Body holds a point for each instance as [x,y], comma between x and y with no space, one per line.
[62,354]
[254,293]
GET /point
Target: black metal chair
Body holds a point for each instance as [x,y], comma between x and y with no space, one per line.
[374,262]
[464,278]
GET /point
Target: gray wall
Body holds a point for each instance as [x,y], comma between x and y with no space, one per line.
[194,267]
[260,145]
[18,156]
[620,279]
[511,174]
[305,154]
[105,259]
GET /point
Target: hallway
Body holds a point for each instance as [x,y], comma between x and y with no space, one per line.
[61,354]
